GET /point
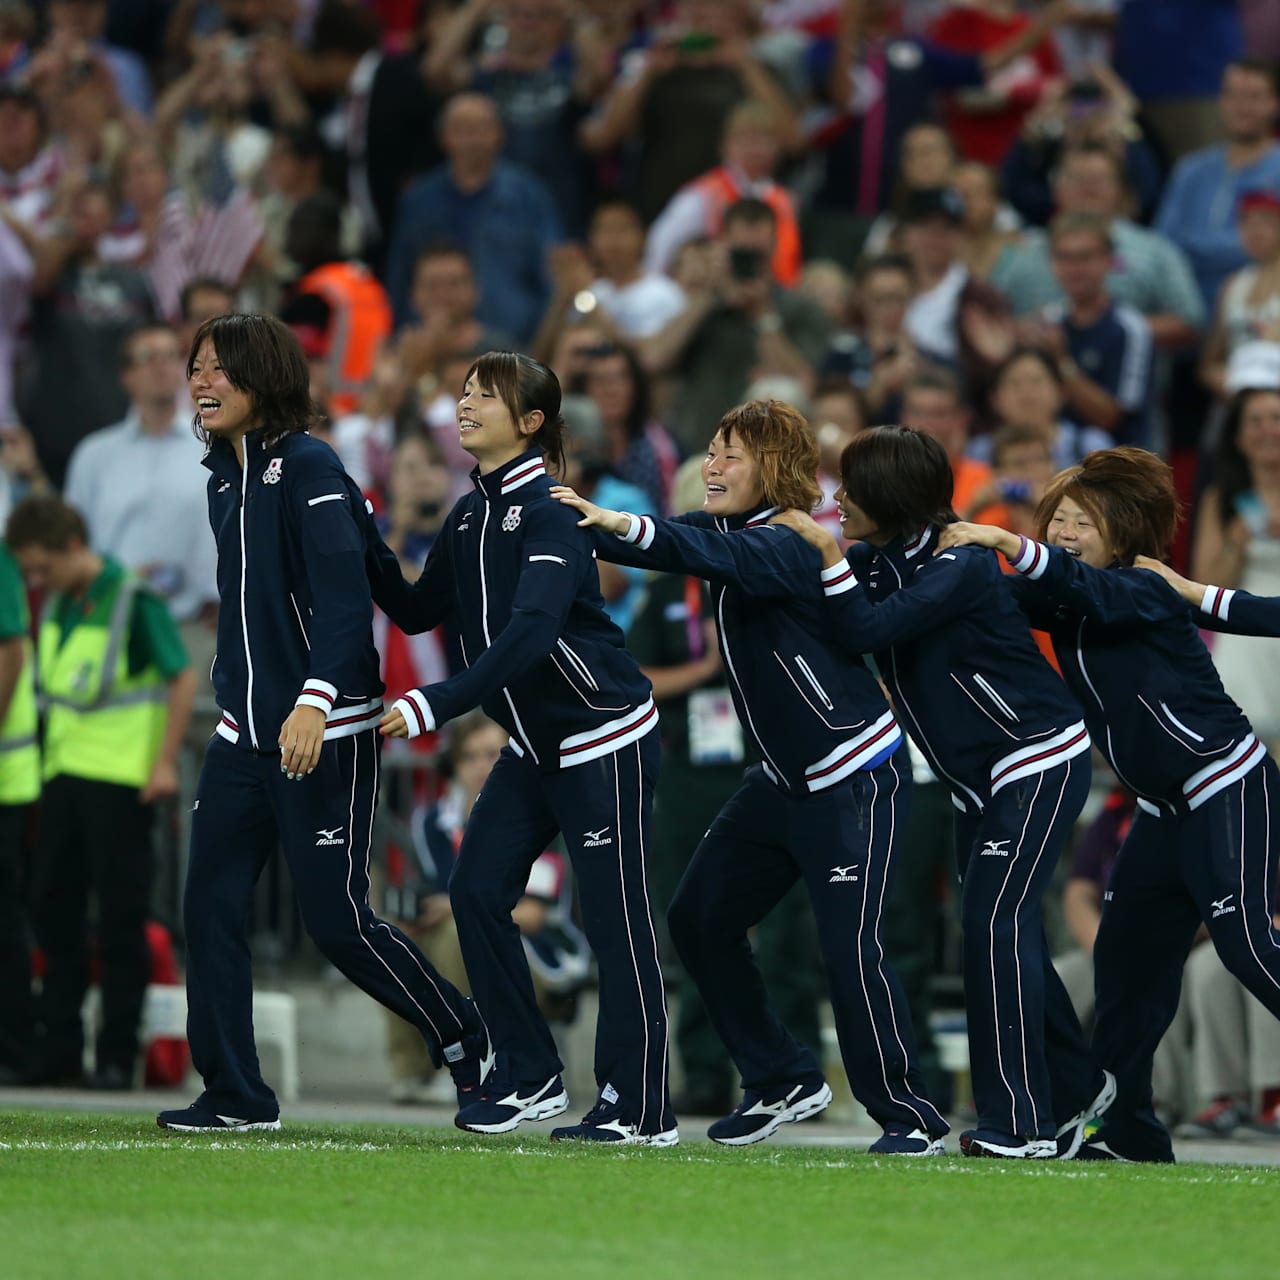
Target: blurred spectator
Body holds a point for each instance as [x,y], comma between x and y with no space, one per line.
[201,300]
[933,402]
[1198,212]
[295,171]
[640,451]
[111,741]
[984,121]
[444,298]
[1149,272]
[878,84]
[829,285]
[30,167]
[880,355]
[637,301]
[608,283]
[837,413]
[544,70]
[739,324]
[1237,544]
[139,485]
[338,309]
[417,501]
[750,155]
[175,239]
[1171,54]
[203,121]
[990,226]
[76,28]
[19,787]
[927,161]
[674,98]
[1022,464]
[1095,109]
[1085,41]
[17,271]
[947,303]
[1248,307]
[1235,1054]
[500,215]
[17,26]
[83,309]
[1028,390]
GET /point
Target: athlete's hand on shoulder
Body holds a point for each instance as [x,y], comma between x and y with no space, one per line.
[615,522]
[301,739]
[812,532]
[392,725]
[1191,592]
[964,534]
[162,783]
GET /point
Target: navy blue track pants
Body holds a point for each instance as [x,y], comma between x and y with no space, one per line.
[324,825]
[841,842]
[603,808]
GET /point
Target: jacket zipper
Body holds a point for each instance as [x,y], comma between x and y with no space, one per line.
[985,686]
[297,613]
[244,616]
[807,672]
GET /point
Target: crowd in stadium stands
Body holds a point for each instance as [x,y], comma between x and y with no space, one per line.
[1028,230]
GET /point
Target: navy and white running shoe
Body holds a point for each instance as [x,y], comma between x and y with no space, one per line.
[605,1123]
[503,1106]
[1004,1146]
[198,1118]
[760,1114]
[1072,1134]
[907,1142]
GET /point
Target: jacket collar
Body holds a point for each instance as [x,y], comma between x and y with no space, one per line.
[746,519]
[910,550]
[529,466]
[220,457]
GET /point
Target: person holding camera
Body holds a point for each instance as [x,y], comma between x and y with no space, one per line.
[738,324]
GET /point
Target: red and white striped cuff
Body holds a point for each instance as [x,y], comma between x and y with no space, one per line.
[1217,602]
[838,578]
[640,533]
[416,711]
[1032,558]
[319,694]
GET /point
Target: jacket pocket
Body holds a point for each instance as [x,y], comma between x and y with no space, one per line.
[993,699]
[807,672]
[579,667]
[1162,712]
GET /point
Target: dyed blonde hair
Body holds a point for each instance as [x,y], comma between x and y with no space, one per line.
[783,445]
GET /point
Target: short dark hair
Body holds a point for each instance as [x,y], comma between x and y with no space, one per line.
[1254,66]
[1082,224]
[261,355]
[900,477]
[1128,491]
[303,140]
[750,212]
[935,377]
[1013,434]
[898,262]
[441,249]
[1092,149]
[45,522]
[525,386]
[1027,352]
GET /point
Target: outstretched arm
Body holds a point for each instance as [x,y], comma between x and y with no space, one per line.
[1111,596]
[762,561]
[1221,608]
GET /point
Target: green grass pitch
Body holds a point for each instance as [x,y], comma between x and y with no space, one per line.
[113,1196]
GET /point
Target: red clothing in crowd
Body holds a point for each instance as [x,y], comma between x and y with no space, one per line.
[986,136]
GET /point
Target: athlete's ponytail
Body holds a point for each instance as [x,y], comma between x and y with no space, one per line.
[526,386]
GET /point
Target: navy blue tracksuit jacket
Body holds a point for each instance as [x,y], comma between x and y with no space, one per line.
[1001,730]
[518,578]
[825,804]
[1201,848]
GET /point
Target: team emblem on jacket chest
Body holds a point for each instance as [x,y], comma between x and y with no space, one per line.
[512,519]
[273,472]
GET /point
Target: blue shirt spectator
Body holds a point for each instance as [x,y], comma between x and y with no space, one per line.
[501,216]
[1198,212]
[1175,48]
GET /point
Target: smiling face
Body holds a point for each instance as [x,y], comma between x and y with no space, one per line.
[855,524]
[1079,533]
[732,478]
[1259,437]
[486,429]
[224,409]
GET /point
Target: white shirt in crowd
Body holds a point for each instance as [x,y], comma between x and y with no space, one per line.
[643,307]
[143,499]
